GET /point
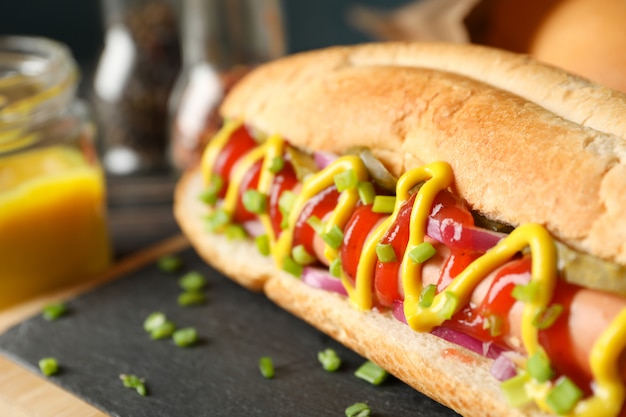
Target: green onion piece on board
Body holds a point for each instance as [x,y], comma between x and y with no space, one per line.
[263,244]
[371,373]
[48,366]
[301,256]
[54,311]
[154,320]
[191,298]
[335,268]
[346,180]
[254,201]
[192,281]
[166,329]
[292,267]
[329,359]
[428,295]
[276,165]
[185,337]
[266,366]
[422,252]
[564,396]
[514,390]
[367,194]
[134,382]
[385,252]
[334,237]
[358,410]
[538,367]
[169,263]
[383,204]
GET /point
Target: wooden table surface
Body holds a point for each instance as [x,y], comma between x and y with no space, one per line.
[142,228]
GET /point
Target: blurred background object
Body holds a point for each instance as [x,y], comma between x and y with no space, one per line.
[586,37]
[221,41]
[53,228]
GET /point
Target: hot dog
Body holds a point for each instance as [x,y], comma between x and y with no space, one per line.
[459,206]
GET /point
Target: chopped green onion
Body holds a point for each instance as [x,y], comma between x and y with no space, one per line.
[335,268]
[514,390]
[266,366]
[191,298]
[494,323]
[263,244]
[329,359]
[527,293]
[538,366]
[185,337]
[371,373]
[276,165]
[54,311]
[154,320]
[358,410]
[192,281]
[385,252]
[254,201]
[428,295]
[422,252]
[216,220]
[345,180]
[169,263]
[547,316]
[450,304]
[366,192]
[334,237]
[133,381]
[292,267]
[301,256]
[564,396]
[211,193]
[235,232]
[286,201]
[48,366]
[316,224]
[166,329]
[384,204]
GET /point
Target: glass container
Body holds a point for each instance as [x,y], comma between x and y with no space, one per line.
[133,81]
[221,40]
[53,229]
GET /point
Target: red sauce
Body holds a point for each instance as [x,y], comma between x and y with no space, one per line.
[240,143]
[283,181]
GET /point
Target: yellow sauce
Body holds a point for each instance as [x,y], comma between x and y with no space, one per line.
[52,222]
[608,390]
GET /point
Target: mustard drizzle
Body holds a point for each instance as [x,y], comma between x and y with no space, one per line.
[608,390]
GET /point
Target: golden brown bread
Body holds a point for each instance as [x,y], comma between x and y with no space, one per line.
[527,142]
[457,378]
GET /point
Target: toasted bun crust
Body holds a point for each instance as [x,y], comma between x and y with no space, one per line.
[455,377]
[527,142]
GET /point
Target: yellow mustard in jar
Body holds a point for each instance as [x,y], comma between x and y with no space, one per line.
[53,229]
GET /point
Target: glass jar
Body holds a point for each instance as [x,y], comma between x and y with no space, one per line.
[221,40]
[53,229]
[133,81]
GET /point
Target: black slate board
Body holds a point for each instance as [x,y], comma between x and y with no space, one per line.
[103,336]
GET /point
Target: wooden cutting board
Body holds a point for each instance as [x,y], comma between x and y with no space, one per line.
[26,394]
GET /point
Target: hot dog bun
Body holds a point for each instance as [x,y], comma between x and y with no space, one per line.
[527,143]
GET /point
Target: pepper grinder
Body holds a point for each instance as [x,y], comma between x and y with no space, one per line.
[221,41]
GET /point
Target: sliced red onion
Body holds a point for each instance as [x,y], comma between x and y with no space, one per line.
[503,368]
[254,228]
[323,159]
[321,278]
[457,235]
[398,311]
